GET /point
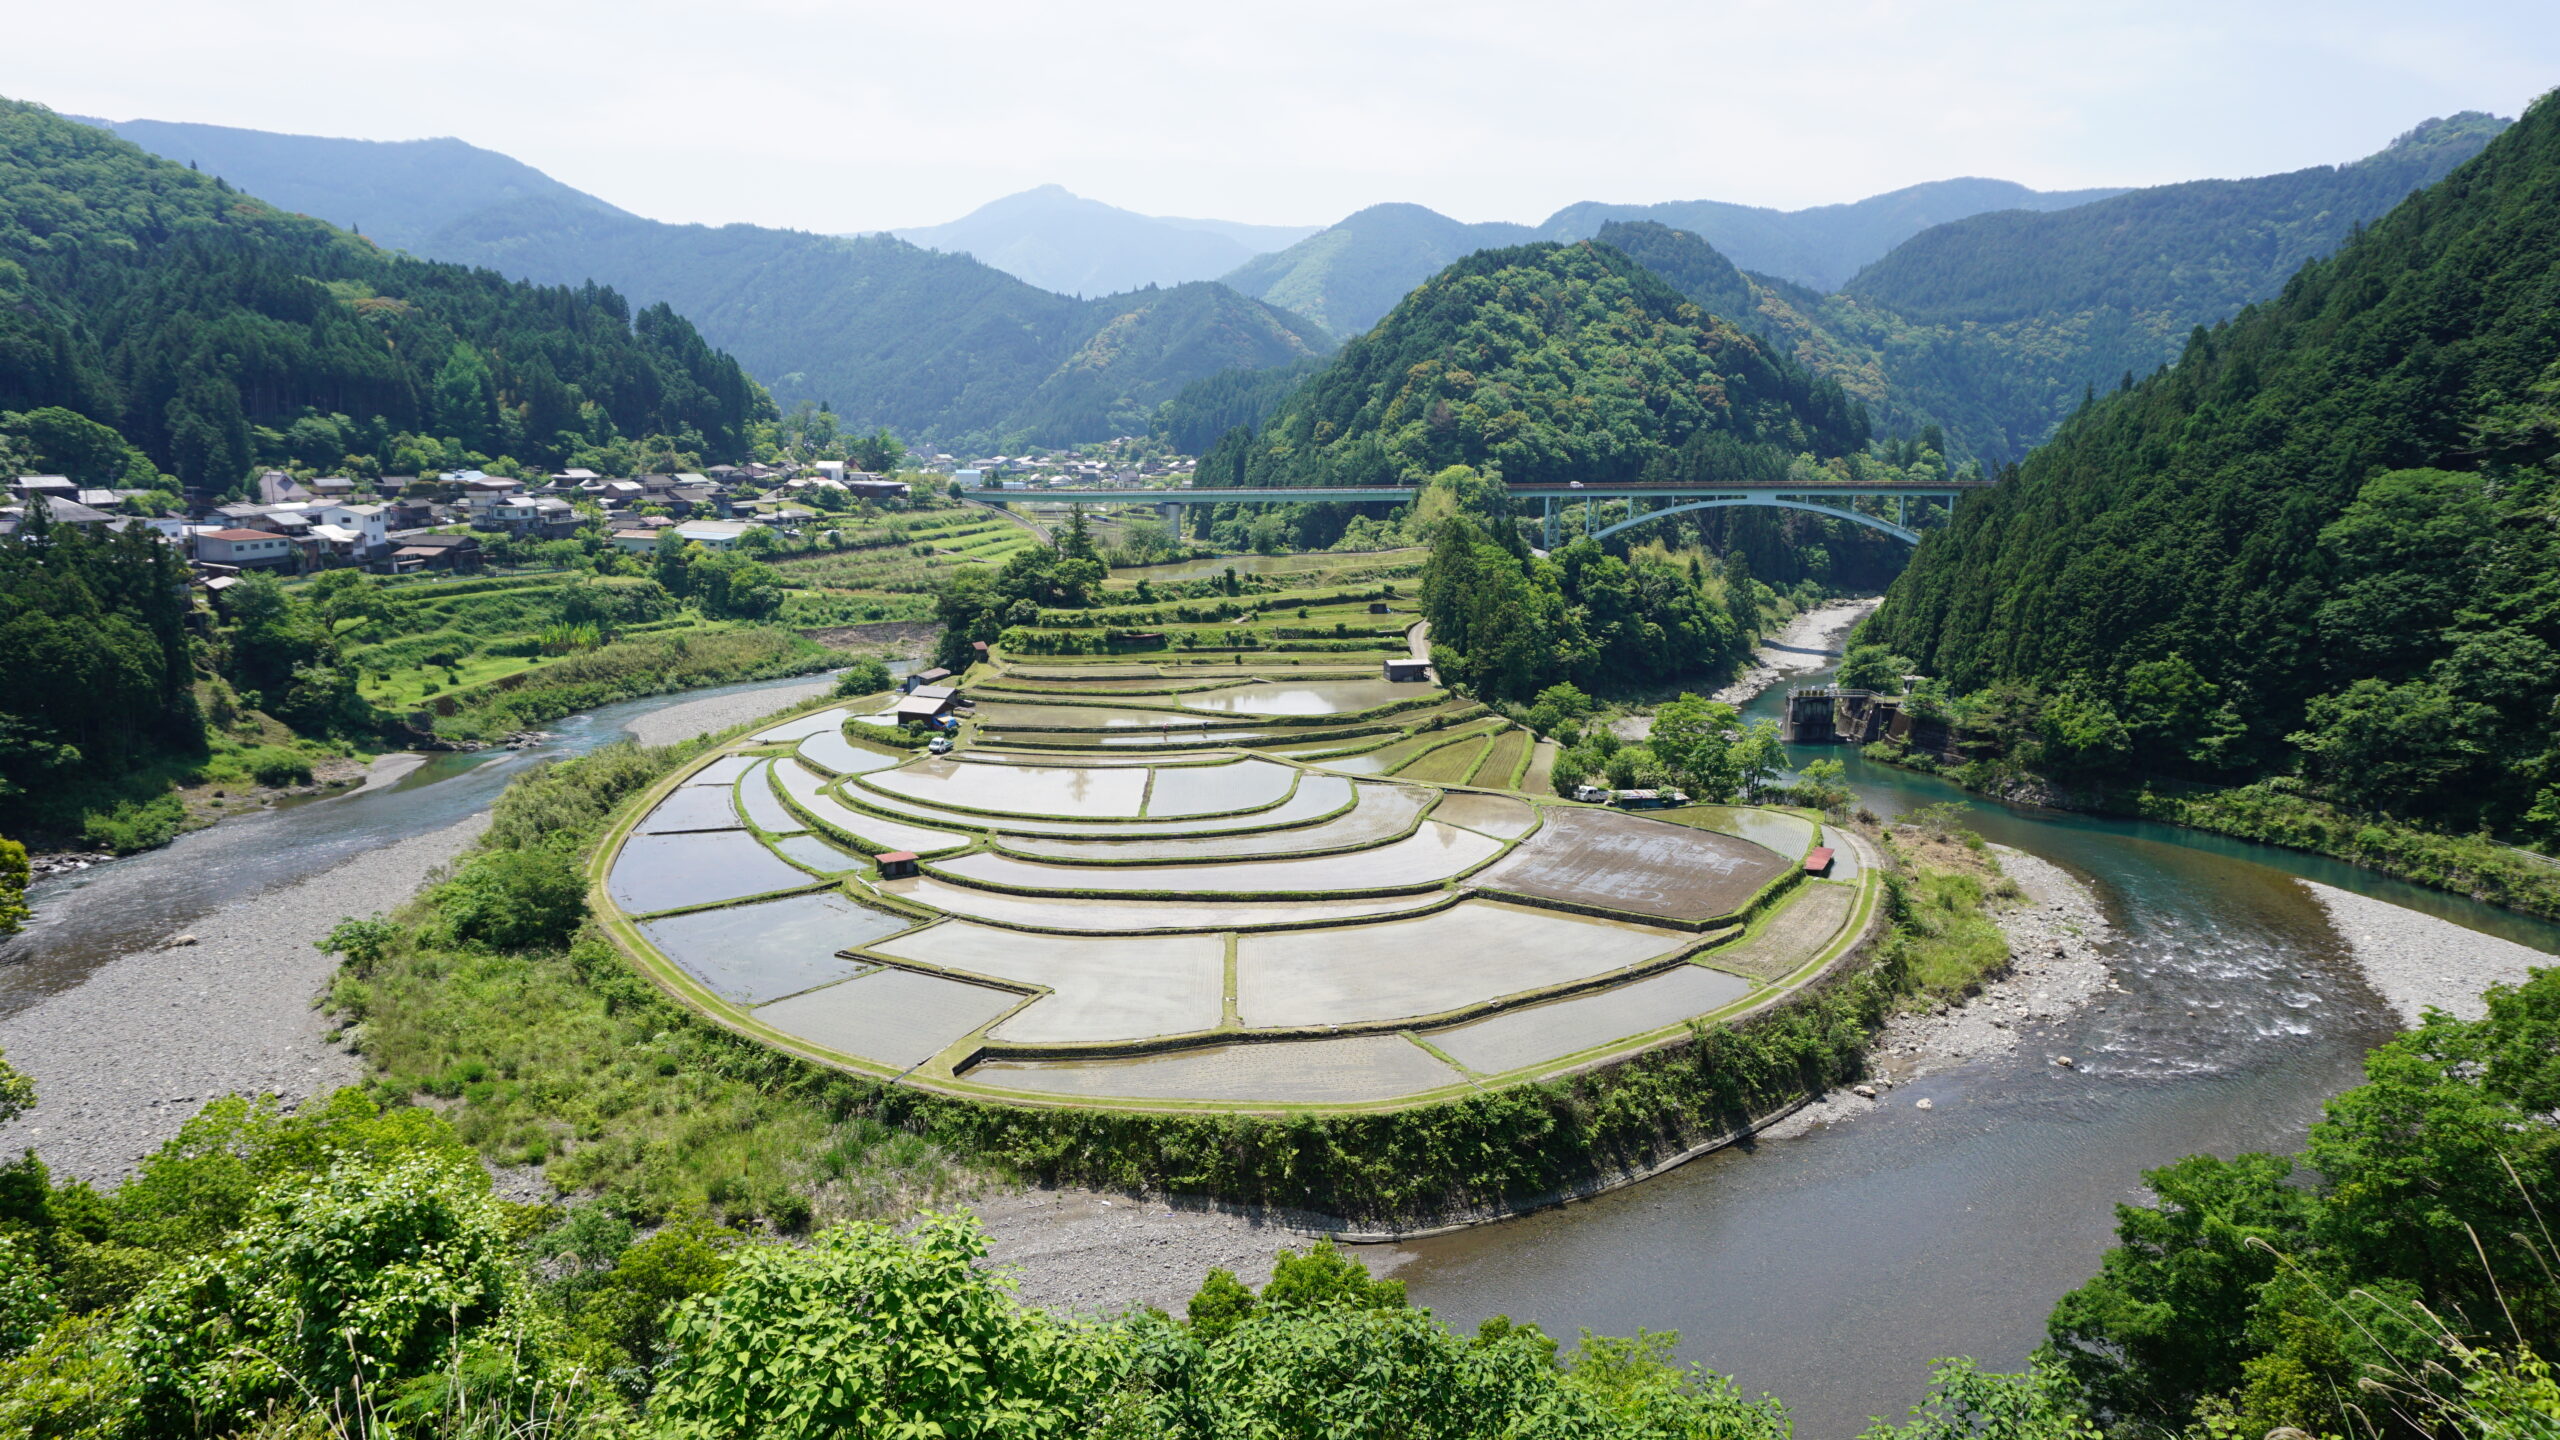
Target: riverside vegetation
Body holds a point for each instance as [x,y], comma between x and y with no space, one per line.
[723,1266]
[2298,586]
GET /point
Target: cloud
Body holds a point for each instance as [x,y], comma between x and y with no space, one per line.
[833,116]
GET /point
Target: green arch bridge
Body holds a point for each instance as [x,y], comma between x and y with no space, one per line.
[1837,501]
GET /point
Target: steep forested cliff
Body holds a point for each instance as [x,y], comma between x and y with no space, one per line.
[2325,536]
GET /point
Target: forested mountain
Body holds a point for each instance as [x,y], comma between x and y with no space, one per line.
[931,345]
[1064,242]
[1549,363]
[1347,276]
[213,331]
[1997,326]
[2322,539]
[1823,245]
[394,192]
[1202,412]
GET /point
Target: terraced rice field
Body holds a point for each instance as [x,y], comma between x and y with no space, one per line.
[1448,765]
[1203,927]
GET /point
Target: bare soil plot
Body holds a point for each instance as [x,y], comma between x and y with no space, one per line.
[1496,815]
[896,1018]
[1379,812]
[1115,916]
[1447,765]
[836,755]
[807,791]
[1473,952]
[1098,792]
[749,954]
[1645,867]
[805,726]
[762,807]
[1219,789]
[1543,1034]
[1789,835]
[670,872]
[1501,759]
[1541,779]
[1315,1072]
[692,807]
[1122,988]
[723,771]
[1432,854]
[1306,697]
[1317,797]
[1786,940]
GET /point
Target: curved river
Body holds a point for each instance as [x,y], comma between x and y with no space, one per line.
[1828,1270]
[1831,1270]
[136,902]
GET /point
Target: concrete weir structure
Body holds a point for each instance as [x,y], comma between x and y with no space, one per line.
[1316,914]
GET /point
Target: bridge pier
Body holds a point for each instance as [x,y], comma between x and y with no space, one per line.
[1554,528]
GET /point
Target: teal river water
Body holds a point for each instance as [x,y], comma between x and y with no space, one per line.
[1831,1270]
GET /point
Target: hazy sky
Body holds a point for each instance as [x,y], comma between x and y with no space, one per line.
[857,115]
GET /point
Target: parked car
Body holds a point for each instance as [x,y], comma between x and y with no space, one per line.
[941,745]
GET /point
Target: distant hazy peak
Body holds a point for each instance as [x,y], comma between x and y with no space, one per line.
[1059,240]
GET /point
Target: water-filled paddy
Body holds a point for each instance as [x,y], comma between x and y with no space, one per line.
[1058,790]
[817,853]
[670,872]
[1049,912]
[749,954]
[1317,797]
[833,753]
[1009,715]
[1123,988]
[1379,812]
[806,791]
[1318,1072]
[805,726]
[1307,697]
[1645,867]
[723,771]
[692,807]
[895,1018]
[1473,952]
[1539,1034]
[763,808]
[1219,789]
[1432,854]
[1382,759]
[1496,815]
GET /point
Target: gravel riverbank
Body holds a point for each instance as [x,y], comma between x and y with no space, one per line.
[2056,936]
[689,718]
[1082,1250]
[123,1059]
[2416,961]
[1809,642]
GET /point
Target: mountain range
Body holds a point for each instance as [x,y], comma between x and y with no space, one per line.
[1980,306]
[1075,246]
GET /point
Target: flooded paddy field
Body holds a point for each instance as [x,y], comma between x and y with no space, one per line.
[1432,854]
[1319,697]
[1471,953]
[1186,926]
[1379,812]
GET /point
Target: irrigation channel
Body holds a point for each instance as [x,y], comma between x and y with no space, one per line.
[87,919]
[1831,1270]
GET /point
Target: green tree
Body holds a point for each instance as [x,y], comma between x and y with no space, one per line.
[14,875]
[1873,667]
[1695,740]
[867,676]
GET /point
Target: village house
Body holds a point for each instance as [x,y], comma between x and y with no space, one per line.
[246,549]
[435,550]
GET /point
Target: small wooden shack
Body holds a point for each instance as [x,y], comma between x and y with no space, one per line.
[1817,861]
[897,864]
[1417,670]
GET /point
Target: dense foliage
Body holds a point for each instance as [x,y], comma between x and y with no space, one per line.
[2321,541]
[1202,412]
[206,326]
[1546,363]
